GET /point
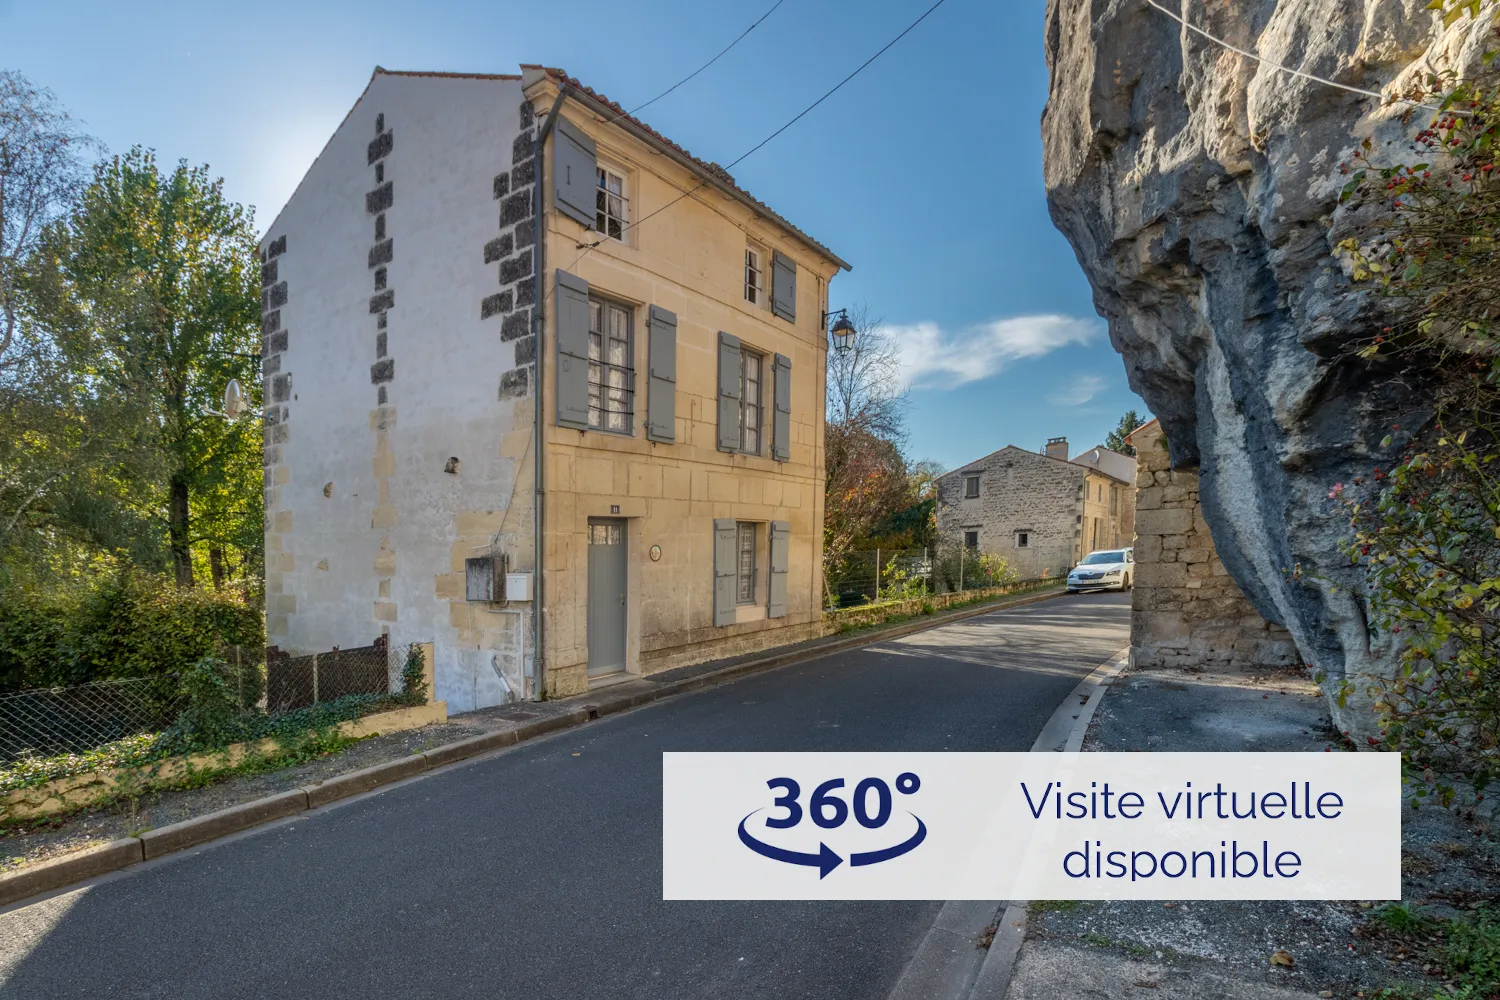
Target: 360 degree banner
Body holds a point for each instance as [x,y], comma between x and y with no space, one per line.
[1031,826]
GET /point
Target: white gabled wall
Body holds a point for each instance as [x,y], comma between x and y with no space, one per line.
[383,550]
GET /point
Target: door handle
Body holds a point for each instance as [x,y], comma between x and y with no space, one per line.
[622,600]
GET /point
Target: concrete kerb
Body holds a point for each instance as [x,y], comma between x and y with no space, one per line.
[1063,733]
[75,868]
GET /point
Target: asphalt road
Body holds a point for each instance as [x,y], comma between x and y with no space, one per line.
[536,873]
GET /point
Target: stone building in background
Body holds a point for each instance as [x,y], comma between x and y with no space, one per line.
[1186,610]
[463,243]
[1038,510]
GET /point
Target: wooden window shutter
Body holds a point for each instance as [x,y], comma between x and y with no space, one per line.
[781,536]
[572,351]
[574,173]
[783,286]
[726,535]
[661,368]
[729,392]
[781,419]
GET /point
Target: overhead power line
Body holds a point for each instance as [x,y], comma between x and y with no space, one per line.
[1284,69]
[586,248]
[705,66]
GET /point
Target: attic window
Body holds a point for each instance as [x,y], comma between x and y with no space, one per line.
[971,487]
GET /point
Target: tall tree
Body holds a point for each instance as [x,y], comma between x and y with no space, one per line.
[40,173]
[153,282]
[865,392]
[1115,441]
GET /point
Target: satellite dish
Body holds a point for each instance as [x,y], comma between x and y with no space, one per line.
[235,403]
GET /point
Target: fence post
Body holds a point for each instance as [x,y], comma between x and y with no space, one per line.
[961,552]
[877,573]
[239,677]
[315,678]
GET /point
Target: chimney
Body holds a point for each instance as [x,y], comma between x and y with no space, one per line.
[1056,448]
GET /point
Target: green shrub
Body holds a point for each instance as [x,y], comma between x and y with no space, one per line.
[414,676]
[126,625]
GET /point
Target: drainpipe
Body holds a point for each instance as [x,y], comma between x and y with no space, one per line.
[538,327]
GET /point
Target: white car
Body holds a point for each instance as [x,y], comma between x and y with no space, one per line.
[1106,569]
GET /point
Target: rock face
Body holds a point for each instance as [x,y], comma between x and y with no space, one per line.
[1200,190]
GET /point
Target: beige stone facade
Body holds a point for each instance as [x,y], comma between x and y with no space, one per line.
[1038,511]
[410,270]
[1186,610]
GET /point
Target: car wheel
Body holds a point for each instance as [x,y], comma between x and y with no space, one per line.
[1126,584]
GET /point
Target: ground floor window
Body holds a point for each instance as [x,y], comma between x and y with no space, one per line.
[971,539]
[1023,539]
[745,563]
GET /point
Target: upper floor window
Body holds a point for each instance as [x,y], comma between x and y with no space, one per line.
[609,216]
[1023,539]
[755,276]
[971,540]
[752,370]
[611,374]
[971,487]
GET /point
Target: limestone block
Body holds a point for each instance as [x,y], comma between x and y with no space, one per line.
[478,523]
[1163,522]
[1149,498]
[385,611]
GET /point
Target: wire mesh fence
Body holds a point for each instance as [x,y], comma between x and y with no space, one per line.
[76,719]
[51,721]
[869,575]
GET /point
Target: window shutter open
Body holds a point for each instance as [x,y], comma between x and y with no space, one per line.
[572,351]
[725,552]
[661,368]
[781,536]
[573,173]
[729,392]
[781,418]
[783,286]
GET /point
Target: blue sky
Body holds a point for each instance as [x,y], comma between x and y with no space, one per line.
[924,172]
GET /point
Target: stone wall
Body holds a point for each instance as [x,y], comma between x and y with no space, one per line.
[1186,609]
[1054,502]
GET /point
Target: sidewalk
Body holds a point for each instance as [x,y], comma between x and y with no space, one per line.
[1167,951]
[23,846]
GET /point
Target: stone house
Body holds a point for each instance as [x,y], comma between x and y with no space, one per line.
[473,259]
[1038,510]
[1186,610]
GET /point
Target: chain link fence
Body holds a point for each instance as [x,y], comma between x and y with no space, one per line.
[870,575]
[50,721]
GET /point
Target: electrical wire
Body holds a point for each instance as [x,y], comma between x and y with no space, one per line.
[1285,69]
[587,247]
[700,69]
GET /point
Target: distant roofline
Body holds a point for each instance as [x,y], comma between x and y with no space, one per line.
[1042,454]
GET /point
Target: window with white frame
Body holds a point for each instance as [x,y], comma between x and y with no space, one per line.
[752,372]
[755,276]
[745,534]
[971,487]
[611,372]
[611,203]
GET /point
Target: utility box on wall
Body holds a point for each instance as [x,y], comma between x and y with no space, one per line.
[518,586]
[484,578]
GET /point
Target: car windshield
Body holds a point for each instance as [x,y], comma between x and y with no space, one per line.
[1095,558]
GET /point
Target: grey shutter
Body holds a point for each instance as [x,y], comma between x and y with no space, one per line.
[781,426]
[783,286]
[725,553]
[574,174]
[781,536]
[572,351]
[661,368]
[729,392]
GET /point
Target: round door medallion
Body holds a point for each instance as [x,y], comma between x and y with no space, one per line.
[656,553]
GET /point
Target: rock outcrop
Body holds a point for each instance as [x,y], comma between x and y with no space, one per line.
[1200,190]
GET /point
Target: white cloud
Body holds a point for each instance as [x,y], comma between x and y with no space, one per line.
[1083,389]
[934,358]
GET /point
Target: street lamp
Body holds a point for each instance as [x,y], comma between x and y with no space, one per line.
[842,332]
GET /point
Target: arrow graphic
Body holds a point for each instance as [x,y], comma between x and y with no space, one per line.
[886,854]
[825,861]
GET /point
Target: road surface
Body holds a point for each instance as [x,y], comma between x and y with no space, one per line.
[536,872]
